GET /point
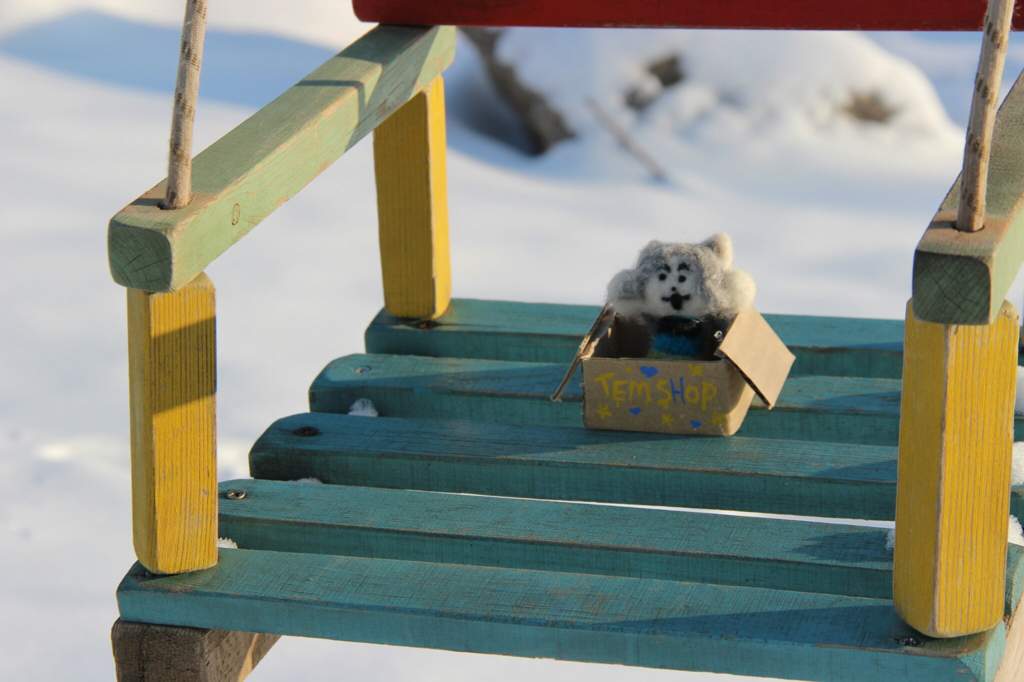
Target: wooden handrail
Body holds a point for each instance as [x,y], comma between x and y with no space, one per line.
[243,177]
[963,277]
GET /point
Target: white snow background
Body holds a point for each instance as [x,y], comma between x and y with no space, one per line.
[824,211]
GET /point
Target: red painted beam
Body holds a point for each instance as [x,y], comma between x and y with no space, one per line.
[880,15]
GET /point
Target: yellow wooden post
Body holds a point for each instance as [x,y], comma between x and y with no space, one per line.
[412,206]
[952,502]
[172,385]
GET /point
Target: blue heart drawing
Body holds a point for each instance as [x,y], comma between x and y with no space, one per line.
[648,371]
[695,423]
[634,410]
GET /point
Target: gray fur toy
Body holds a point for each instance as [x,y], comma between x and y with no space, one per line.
[684,293]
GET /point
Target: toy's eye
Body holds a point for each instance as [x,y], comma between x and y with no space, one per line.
[662,276]
[682,278]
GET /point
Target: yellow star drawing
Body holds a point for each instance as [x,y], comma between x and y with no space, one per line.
[603,412]
[718,419]
[696,370]
[667,419]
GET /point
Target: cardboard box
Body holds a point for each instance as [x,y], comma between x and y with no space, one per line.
[625,391]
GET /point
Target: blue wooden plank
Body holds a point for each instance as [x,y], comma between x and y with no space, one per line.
[544,332]
[558,536]
[824,408]
[579,538]
[763,475]
[571,616]
[573,463]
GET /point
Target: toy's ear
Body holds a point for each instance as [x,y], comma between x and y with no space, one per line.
[626,285]
[626,293]
[739,289]
[652,249]
[721,245]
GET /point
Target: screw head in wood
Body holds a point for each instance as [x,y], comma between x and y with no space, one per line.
[234,494]
[909,640]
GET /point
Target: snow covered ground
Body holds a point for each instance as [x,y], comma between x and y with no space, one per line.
[824,213]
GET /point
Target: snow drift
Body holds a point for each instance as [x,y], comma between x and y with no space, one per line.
[730,83]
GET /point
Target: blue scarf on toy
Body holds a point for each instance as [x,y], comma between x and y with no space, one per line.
[681,336]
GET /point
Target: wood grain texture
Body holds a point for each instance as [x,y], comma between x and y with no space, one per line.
[547,332]
[162,653]
[763,475]
[916,15]
[244,176]
[172,388]
[573,463]
[954,468]
[816,408]
[412,206]
[987,83]
[570,616]
[558,536]
[186,94]
[963,277]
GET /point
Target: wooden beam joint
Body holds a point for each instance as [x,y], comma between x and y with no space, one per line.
[246,175]
[962,277]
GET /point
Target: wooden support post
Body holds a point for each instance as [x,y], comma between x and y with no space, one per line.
[952,500]
[412,206]
[172,385]
[162,653]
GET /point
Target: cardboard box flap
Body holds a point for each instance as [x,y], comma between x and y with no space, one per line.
[597,330]
[759,355]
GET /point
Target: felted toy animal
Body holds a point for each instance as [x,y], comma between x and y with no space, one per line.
[686,295]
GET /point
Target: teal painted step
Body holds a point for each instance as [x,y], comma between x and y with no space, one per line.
[821,408]
[571,616]
[573,463]
[557,536]
[545,332]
